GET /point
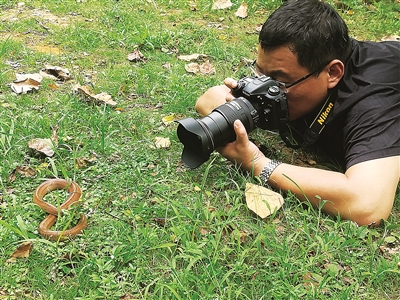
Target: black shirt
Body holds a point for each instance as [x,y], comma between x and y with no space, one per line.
[365,121]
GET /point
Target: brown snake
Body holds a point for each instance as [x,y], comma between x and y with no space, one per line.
[74,195]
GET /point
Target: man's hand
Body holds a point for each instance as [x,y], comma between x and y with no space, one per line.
[243,152]
[231,84]
[215,96]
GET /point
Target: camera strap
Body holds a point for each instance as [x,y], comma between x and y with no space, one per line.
[312,133]
[314,130]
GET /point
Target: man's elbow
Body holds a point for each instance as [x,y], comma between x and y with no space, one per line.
[371,211]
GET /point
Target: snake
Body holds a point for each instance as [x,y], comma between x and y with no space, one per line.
[75,194]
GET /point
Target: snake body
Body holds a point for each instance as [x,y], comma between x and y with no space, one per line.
[74,195]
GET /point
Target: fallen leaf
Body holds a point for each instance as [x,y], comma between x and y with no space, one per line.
[105,98]
[242,11]
[204,230]
[192,68]
[392,37]
[12,176]
[101,98]
[207,68]
[242,235]
[43,146]
[222,4]
[127,297]
[311,279]
[48,49]
[26,171]
[262,201]
[168,119]
[53,86]
[54,134]
[56,73]
[136,56]
[160,221]
[23,251]
[26,82]
[167,66]
[161,142]
[82,162]
[192,57]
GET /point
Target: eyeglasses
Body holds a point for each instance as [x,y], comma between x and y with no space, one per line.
[284,86]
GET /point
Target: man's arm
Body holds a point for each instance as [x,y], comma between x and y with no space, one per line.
[364,194]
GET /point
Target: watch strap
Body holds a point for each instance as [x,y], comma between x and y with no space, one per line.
[267,171]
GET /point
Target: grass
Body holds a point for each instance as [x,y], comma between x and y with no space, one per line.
[157,230]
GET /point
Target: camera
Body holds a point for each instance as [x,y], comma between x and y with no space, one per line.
[259,102]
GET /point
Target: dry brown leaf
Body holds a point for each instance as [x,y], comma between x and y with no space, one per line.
[204,230]
[82,162]
[161,142]
[101,98]
[262,201]
[53,86]
[242,11]
[56,73]
[43,146]
[160,221]
[26,82]
[192,68]
[310,280]
[54,134]
[48,49]
[26,171]
[136,56]
[392,37]
[207,68]
[243,235]
[105,98]
[222,4]
[12,176]
[167,66]
[23,251]
[127,297]
[192,57]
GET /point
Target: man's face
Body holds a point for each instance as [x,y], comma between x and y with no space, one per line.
[281,64]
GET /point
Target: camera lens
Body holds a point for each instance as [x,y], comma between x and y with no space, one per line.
[200,137]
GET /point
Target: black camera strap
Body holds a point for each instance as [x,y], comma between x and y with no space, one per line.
[312,133]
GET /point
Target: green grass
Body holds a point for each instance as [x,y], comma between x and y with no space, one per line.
[156,229]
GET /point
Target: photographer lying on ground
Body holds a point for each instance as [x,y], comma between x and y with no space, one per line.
[305,45]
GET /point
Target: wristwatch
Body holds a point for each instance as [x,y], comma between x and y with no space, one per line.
[267,171]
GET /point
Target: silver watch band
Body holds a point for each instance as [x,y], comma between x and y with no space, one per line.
[267,171]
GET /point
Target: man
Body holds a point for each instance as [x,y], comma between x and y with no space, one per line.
[305,45]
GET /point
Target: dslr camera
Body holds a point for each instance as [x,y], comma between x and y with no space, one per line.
[259,102]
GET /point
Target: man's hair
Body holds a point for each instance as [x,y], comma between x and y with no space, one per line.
[311,29]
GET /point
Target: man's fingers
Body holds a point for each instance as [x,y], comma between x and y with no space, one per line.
[241,133]
[230,83]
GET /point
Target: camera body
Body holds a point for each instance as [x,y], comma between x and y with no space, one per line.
[259,102]
[267,98]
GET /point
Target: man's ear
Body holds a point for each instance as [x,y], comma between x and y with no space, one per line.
[335,72]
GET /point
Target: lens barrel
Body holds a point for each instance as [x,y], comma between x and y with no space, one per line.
[202,136]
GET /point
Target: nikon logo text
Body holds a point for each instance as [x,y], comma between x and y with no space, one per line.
[324,114]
